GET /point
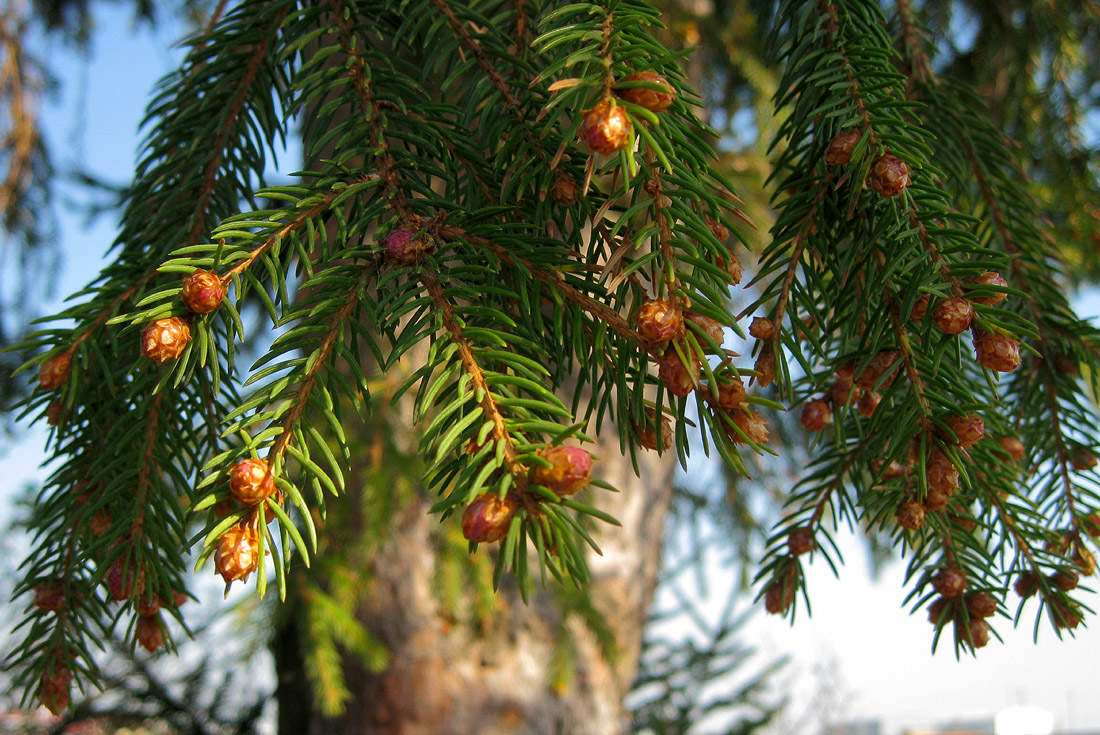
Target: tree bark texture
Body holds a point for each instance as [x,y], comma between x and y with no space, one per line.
[454,678]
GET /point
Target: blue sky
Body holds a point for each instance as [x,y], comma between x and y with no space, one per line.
[884,667]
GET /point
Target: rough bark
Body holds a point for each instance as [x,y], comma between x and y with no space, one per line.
[449,678]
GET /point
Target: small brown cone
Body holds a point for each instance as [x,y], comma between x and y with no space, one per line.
[839,152]
[778,597]
[564,190]
[659,321]
[967,430]
[800,541]
[678,379]
[816,415]
[975,632]
[569,471]
[49,596]
[237,555]
[488,518]
[731,392]
[54,372]
[762,328]
[910,515]
[889,176]
[753,426]
[997,352]
[981,605]
[989,279]
[1027,584]
[710,327]
[647,434]
[148,633]
[940,611]
[202,292]
[53,691]
[165,339]
[606,128]
[953,315]
[251,481]
[651,99]
[1014,447]
[949,582]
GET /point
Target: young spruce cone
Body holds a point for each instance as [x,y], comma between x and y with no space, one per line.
[997,352]
[989,278]
[165,339]
[762,328]
[889,175]
[659,321]
[647,434]
[967,430]
[731,392]
[488,518]
[49,596]
[678,379]
[950,582]
[606,128]
[839,152]
[1014,447]
[569,471]
[251,481]
[202,292]
[778,597]
[953,315]
[54,372]
[148,633]
[816,415]
[910,515]
[237,555]
[800,541]
[754,427]
[53,692]
[975,632]
[651,99]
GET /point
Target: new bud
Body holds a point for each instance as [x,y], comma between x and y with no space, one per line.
[165,339]
[488,518]
[569,471]
[251,481]
[202,292]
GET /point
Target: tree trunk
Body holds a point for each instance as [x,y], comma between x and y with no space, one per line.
[448,677]
[456,678]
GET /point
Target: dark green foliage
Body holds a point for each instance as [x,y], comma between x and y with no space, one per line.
[452,240]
